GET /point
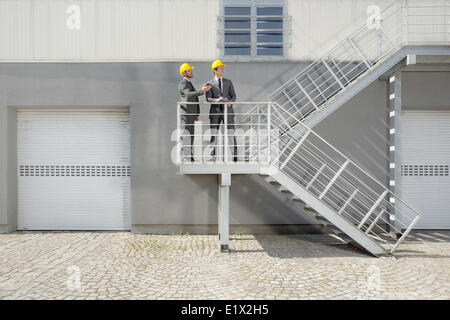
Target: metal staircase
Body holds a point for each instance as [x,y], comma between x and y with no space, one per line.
[403,28]
[324,182]
[333,189]
[275,138]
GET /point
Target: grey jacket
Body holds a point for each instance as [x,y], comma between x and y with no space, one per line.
[188,93]
[227,92]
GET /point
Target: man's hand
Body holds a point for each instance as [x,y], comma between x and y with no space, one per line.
[205,88]
[229,105]
[220,99]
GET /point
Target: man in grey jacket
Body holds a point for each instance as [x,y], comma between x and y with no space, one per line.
[188,93]
[221,90]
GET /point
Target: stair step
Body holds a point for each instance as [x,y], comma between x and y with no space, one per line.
[309,208]
[344,237]
[269,179]
[320,218]
[283,189]
[341,234]
[335,230]
[296,199]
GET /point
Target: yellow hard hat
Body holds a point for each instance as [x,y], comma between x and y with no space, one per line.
[216,64]
[185,67]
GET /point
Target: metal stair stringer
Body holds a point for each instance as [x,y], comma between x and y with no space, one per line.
[325,211]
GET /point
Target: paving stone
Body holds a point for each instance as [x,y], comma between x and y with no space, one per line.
[122,265]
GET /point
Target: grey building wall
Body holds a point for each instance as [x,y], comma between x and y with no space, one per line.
[162,200]
[426,89]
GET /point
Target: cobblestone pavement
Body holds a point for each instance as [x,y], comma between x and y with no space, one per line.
[121,265]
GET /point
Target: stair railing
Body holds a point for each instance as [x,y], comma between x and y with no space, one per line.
[341,184]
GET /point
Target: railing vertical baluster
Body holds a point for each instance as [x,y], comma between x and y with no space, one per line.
[387,37]
[306,94]
[338,69]
[291,101]
[333,74]
[405,233]
[338,173]
[258,141]
[316,86]
[315,176]
[225,130]
[374,222]
[269,145]
[375,205]
[294,150]
[348,201]
[179,157]
[406,22]
[283,118]
[380,36]
[353,44]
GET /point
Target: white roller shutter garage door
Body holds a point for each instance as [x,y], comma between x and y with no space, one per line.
[425,160]
[73,169]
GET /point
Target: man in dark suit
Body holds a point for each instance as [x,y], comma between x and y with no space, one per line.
[221,90]
[188,93]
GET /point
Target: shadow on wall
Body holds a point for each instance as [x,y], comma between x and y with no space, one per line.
[201,201]
[251,193]
[261,89]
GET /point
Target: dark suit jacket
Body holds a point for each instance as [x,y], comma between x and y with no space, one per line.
[228,93]
[188,93]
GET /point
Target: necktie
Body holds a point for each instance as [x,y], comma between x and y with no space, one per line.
[220,84]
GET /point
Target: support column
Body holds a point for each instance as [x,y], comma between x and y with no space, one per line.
[224,210]
[394,118]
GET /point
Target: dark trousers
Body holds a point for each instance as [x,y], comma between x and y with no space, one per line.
[215,122]
[188,122]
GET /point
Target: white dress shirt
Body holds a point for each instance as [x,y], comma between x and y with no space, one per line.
[217,81]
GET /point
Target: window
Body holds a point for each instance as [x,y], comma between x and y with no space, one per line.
[269,30]
[237,30]
[253,29]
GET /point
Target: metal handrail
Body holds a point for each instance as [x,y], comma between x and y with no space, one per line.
[253,133]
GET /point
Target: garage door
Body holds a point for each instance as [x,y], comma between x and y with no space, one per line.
[425,160]
[73,170]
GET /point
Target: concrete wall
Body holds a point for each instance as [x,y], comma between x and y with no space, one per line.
[159,196]
[108,30]
[124,30]
[319,25]
[358,129]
